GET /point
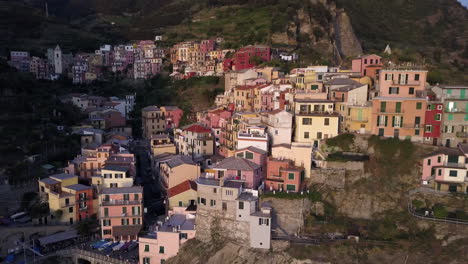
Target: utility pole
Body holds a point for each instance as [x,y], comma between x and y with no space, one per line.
[46,10]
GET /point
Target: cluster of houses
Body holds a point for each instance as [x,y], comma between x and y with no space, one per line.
[139,60]
[144,59]
[263,134]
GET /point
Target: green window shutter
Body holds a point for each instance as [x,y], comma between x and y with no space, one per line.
[433,107]
[398,107]
[290,187]
[401,121]
[383,106]
[449,91]
[466,117]
[393,121]
[386,119]
[378,120]
[291,176]
[450,117]
[418,105]
[462,93]
[466,107]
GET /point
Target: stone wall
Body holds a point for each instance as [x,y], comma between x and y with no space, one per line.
[213,224]
[334,178]
[288,215]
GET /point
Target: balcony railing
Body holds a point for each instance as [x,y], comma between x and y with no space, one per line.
[462,134]
[121,202]
[317,112]
[390,111]
[264,136]
[409,83]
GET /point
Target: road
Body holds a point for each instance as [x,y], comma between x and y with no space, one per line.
[153,197]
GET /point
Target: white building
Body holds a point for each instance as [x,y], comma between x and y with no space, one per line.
[254,136]
[279,126]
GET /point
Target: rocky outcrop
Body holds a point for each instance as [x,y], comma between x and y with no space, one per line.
[288,215]
[346,41]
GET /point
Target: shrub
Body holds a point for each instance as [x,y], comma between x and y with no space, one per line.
[440,211]
[417,204]
[343,141]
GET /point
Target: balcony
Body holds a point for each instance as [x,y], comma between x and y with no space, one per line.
[317,113]
[462,134]
[455,110]
[245,135]
[390,111]
[121,202]
[406,83]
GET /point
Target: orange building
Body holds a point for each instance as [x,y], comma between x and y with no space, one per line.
[399,109]
[283,175]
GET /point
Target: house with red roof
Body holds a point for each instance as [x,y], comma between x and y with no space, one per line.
[195,140]
[183,195]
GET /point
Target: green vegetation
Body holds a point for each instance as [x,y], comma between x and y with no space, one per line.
[88,226]
[440,211]
[417,204]
[343,141]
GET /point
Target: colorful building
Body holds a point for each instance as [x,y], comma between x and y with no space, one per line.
[121,212]
[282,174]
[195,139]
[433,122]
[245,57]
[368,65]
[153,121]
[234,168]
[173,115]
[183,195]
[446,169]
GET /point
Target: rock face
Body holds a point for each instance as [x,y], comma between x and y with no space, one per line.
[212,225]
[346,41]
[289,215]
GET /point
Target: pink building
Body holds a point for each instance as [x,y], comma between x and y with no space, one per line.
[165,242]
[368,65]
[113,118]
[240,169]
[121,212]
[446,169]
[207,45]
[173,115]
[283,175]
[88,166]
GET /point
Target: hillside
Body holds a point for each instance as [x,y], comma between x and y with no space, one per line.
[430,31]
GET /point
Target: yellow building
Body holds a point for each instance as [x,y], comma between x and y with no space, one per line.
[161,144]
[355,118]
[50,191]
[315,120]
[153,121]
[244,98]
[114,176]
[183,194]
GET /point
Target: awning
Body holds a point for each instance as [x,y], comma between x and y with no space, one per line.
[62,236]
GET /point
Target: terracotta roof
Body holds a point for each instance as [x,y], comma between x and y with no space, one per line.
[197,128]
[234,163]
[182,187]
[463,147]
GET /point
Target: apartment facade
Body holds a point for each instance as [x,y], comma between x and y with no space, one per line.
[399,110]
[121,212]
[282,175]
[153,121]
[195,140]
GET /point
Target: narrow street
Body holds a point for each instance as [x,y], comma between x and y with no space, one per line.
[153,197]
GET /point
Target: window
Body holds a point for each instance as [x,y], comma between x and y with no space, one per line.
[382,120]
[428,161]
[124,221]
[183,236]
[306,134]
[438,117]
[416,132]
[264,221]
[224,206]
[453,173]
[398,107]
[418,105]
[307,121]
[203,201]
[70,209]
[291,187]
[248,155]
[314,87]
[383,106]
[147,248]
[241,205]
[319,135]
[215,190]
[388,77]
[327,121]
[411,90]
[126,197]
[439,107]
[212,202]
[450,117]
[107,232]
[181,204]
[239,173]
[229,192]
[416,77]
[136,221]
[394,90]
[146,260]
[124,210]
[439,159]
[452,159]
[106,211]
[439,172]
[428,129]
[161,250]
[220,174]
[291,176]
[67,201]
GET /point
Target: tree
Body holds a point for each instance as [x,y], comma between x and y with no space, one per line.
[87,226]
[256,60]
[58,214]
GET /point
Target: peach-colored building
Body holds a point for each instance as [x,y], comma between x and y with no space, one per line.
[399,109]
[283,175]
[368,65]
[121,212]
[166,240]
